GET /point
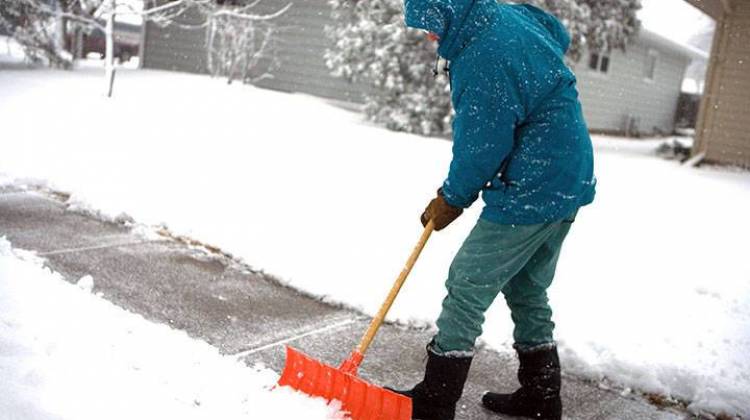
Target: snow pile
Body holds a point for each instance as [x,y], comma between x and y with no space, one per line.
[67,354]
[652,288]
[82,206]
[10,51]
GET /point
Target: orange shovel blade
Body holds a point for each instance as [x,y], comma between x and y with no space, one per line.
[361,400]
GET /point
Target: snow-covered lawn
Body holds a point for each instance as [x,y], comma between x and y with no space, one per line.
[652,290]
[68,354]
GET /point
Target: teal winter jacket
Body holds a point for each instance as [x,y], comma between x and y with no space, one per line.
[519,136]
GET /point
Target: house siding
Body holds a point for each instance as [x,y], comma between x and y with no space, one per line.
[301,45]
[723,133]
[609,99]
[177,47]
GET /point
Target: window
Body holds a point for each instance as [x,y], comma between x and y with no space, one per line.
[599,63]
[604,64]
[594,62]
[651,60]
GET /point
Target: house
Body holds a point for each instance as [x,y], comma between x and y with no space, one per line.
[723,129]
[632,92]
[636,91]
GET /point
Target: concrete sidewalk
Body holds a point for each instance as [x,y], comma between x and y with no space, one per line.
[249,315]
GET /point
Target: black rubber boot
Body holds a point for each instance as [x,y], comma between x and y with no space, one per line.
[436,396]
[539,395]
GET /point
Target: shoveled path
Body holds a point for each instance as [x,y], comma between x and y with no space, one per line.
[247,314]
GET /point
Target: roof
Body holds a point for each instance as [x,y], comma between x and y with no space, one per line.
[663,43]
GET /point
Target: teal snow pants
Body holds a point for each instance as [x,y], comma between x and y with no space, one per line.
[517,260]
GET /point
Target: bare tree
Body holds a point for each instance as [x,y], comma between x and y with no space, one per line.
[239,38]
[37,26]
[239,41]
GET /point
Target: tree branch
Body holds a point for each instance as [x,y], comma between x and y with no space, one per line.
[235,14]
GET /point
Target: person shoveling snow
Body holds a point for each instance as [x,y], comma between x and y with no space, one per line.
[519,139]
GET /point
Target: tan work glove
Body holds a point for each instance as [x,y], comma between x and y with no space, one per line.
[440,212]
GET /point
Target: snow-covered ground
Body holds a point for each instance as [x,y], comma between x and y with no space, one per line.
[652,290]
[68,354]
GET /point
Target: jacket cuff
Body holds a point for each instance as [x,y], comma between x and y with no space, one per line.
[452,198]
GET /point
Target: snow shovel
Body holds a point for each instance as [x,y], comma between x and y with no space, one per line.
[361,400]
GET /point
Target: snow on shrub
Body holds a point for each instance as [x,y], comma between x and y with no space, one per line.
[372,46]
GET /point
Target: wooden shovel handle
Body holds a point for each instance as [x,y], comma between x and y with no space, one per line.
[364,344]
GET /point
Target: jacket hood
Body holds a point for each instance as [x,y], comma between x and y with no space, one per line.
[456,22]
[556,29]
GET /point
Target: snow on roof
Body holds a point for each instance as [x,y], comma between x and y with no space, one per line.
[671,45]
